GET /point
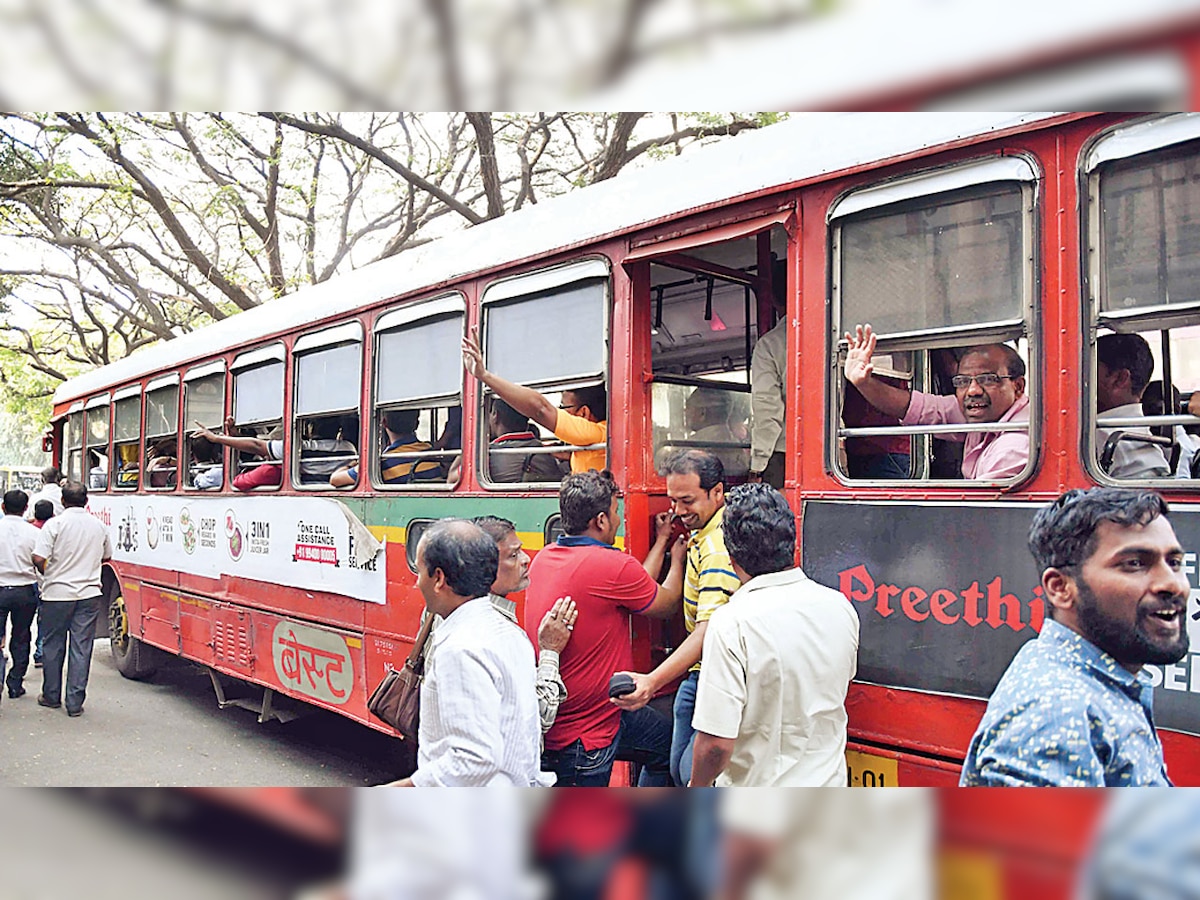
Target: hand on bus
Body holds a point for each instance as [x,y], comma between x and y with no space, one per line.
[555,630]
[473,354]
[664,524]
[639,697]
[858,359]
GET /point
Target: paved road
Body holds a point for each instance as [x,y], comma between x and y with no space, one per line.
[169,731]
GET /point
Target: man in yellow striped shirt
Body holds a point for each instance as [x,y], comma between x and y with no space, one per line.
[695,486]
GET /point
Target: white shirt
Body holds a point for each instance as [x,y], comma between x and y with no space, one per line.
[1189,446]
[1131,459]
[51,492]
[73,545]
[479,712]
[210,478]
[768,370]
[17,540]
[778,659]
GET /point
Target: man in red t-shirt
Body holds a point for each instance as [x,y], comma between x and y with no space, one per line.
[607,586]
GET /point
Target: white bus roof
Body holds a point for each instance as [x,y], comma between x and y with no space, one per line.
[804,147]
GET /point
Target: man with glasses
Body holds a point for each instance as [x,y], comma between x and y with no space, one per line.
[581,418]
[989,387]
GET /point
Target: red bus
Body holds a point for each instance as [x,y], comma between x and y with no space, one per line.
[941,230]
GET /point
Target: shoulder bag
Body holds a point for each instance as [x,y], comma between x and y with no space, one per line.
[397,699]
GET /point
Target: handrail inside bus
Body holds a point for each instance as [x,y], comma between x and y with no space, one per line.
[891,430]
[719,445]
[1133,421]
[689,381]
[547,448]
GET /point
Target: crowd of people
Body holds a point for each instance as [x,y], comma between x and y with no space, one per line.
[51,554]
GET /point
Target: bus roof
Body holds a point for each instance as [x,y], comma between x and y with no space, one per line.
[807,146]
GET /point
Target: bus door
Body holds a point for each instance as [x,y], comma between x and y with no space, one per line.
[702,302]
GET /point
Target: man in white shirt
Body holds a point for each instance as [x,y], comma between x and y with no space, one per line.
[479,712]
[18,585]
[1123,367]
[51,490]
[778,660]
[69,552]
[768,389]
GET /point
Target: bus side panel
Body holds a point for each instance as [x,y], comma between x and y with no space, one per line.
[160,617]
[932,724]
[196,628]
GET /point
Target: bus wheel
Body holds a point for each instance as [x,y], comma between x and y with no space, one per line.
[133,658]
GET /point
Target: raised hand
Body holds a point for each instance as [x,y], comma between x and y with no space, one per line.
[859,367]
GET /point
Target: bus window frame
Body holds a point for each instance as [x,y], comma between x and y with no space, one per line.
[200,373]
[74,414]
[162,383]
[410,314]
[904,190]
[105,401]
[543,282]
[120,396]
[326,338]
[1145,141]
[269,354]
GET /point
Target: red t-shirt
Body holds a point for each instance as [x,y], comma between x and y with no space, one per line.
[606,585]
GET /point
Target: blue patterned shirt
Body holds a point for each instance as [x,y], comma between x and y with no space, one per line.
[1066,713]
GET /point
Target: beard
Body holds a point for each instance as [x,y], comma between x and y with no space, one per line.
[1127,647]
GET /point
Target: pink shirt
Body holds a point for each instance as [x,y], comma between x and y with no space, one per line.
[987,456]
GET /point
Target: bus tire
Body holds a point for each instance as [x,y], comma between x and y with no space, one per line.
[134,659]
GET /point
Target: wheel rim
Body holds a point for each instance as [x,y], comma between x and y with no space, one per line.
[118,624]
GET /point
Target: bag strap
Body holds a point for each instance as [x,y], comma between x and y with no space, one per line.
[416,657]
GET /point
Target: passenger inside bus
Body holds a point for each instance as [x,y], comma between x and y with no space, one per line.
[709,417]
[127,472]
[97,471]
[267,473]
[161,461]
[989,387]
[1123,367]
[206,470]
[581,419]
[1189,444]
[510,430]
[397,465]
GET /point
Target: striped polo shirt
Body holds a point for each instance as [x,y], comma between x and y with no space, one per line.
[710,579]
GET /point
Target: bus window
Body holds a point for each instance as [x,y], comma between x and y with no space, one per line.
[96,415]
[704,325]
[416,426]
[127,434]
[203,403]
[73,442]
[547,330]
[162,433]
[328,368]
[940,266]
[258,412]
[1144,262]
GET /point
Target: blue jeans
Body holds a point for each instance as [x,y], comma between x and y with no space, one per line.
[683,738]
[75,619]
[644,737]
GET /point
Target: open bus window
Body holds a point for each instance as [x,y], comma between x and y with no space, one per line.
[203,403]
[704,323]
[328,368]
[1144,224]
[258,412]
[547,330]
[939,265]
[416,423]
[96,416]
[162,436]
[127,434]
[73,442]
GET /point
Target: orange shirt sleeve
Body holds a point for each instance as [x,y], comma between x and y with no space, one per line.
[579,431]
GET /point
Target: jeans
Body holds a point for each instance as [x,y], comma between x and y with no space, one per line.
[644,737]
[75,619]
[885,465]
[683,738]
[18,604]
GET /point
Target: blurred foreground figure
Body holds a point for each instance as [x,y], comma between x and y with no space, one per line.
[778,660]
[1074,709]
[443,845]
[847,845]
[1147,848]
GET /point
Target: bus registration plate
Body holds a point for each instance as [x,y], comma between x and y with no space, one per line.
[869,770]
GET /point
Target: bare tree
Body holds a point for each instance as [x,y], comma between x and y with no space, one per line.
[126,229]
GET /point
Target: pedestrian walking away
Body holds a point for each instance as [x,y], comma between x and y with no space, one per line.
[18,587]
[69,552]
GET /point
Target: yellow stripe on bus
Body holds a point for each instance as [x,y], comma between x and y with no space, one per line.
[530,540]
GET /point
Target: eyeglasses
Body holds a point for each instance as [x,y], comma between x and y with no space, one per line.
[570,407]
[986,380]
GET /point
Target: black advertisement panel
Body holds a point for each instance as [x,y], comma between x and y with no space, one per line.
[946,594]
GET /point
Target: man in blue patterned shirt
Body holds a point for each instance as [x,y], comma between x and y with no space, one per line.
[1072,708]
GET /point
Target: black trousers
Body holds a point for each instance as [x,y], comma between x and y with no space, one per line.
[18,605]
